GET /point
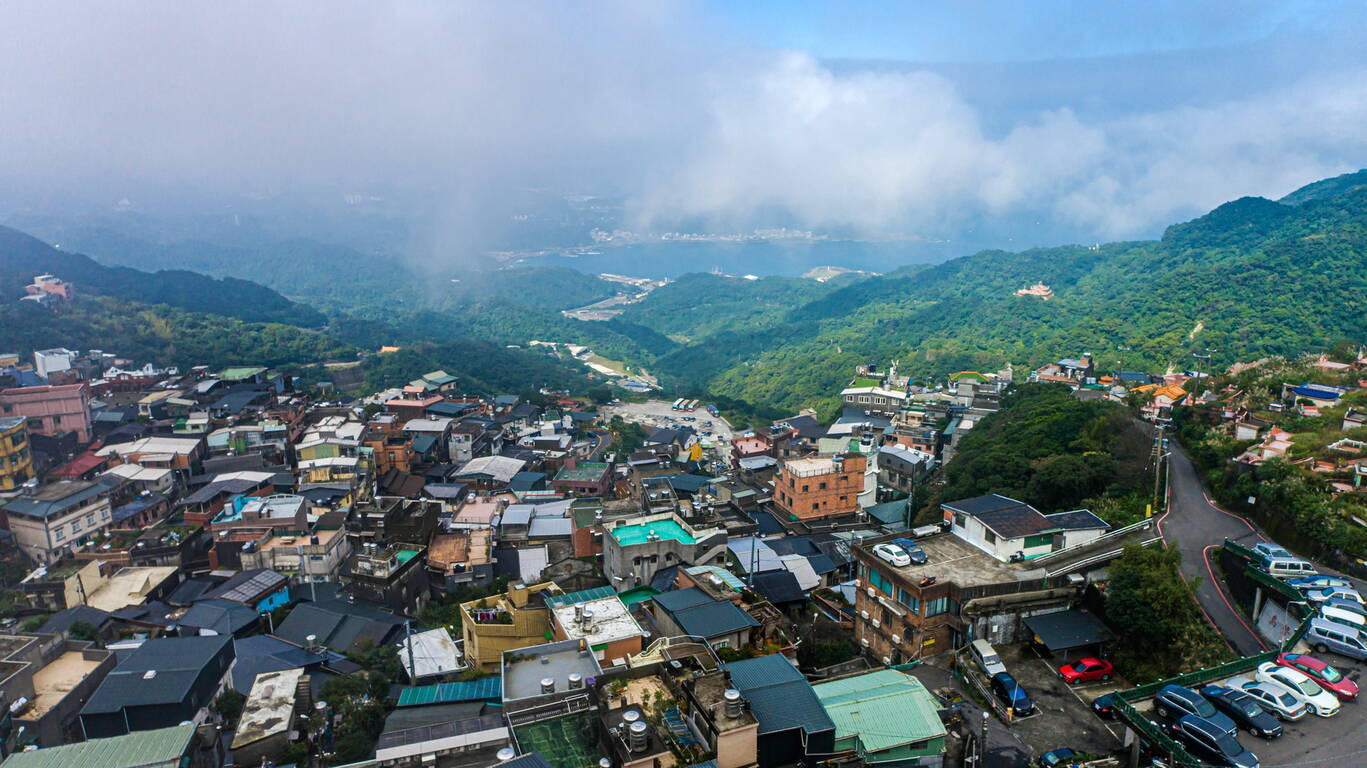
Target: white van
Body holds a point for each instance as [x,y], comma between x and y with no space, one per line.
[1286,568]
[986,657]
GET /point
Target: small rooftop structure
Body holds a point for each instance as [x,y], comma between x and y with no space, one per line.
[127,586]
[880,711]
[429,654]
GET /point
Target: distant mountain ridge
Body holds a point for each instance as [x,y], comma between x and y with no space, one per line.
[23,256]
[1250,278]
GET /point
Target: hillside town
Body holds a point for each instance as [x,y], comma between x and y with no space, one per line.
[232,567]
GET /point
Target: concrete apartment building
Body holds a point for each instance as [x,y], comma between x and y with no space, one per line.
[53,521]
[634,549]
[820,486]
[599,618]
[16,459]
[51,410]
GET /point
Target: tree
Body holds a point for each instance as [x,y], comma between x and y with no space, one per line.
[84,630]
[600,395]
[228,705]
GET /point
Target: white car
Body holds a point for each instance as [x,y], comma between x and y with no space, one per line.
[892,554]
[1320,701]
[1273,698]
[1343,593]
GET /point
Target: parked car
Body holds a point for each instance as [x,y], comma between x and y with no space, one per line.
[1325,636]
[1340,615]
[1305,690]
[1086,670]
[892,554]
[1244,710]
[1209,742]
[1319,582]
[1104,706]
[1010,693]
[1172,702]
[986,657]
[1343,603]
[918,556]
[1287,568]
[1057,758]
[1272,698]
[1271,549]
[1329,678]
[1325,593]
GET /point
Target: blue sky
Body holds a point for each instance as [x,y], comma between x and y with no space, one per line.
[973,30]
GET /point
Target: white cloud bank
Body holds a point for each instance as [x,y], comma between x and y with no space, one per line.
[633,98]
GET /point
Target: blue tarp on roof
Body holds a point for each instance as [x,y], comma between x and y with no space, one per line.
[1316,393]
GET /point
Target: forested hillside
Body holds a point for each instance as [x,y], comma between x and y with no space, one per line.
[1251,278]
[22,257]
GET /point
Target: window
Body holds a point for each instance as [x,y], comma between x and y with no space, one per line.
[909,600]
[821,487]
[880,582]
[722,643]
[90,519]
[75,527]
[842,498]
[57,534]
[806,488]
[815,506]
[960,519]
[937,606]
[989,536]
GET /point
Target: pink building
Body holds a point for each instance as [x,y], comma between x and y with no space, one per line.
[50,410]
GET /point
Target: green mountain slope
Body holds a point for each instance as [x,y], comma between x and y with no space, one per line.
[1251,278]
[23,256]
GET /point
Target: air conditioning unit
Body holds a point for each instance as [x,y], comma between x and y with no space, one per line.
[864,615]
[871,592]
[876,623]
[864,641]
[887,659]
[896,639]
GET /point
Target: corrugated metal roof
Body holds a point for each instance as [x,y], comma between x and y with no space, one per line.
[162,747]
[486,688]
[780,696]
[582,596]
[885,709]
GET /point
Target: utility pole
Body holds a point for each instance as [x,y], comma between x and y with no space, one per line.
[1156,459]
[982,741]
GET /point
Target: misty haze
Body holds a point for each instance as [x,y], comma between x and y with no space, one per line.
[683,384]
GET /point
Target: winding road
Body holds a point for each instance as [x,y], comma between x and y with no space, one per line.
[1195,527]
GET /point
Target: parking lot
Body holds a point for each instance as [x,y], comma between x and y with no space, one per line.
[1329,742]
[657,413]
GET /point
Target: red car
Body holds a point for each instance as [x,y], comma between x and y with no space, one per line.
[1322,673]
[1086,670]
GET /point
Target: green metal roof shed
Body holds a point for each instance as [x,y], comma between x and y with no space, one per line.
[883,716]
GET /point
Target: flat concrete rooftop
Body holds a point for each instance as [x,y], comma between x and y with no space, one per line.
[52,683]
[522,677]
[953,559]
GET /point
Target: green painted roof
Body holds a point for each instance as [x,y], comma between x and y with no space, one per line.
[153,749]
[583,472]
[490,688]
[638,595]
[885,709]
[582,596]
[237,374]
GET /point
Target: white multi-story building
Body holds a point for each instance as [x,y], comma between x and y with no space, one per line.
[54,520]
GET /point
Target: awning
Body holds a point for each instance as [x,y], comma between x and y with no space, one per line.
[1066,630]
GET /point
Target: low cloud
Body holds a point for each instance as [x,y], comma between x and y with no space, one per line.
[645,101]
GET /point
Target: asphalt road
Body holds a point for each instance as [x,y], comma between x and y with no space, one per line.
[1195,526]
[602,440]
